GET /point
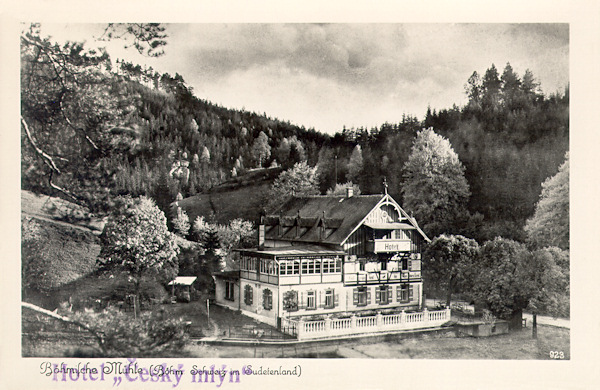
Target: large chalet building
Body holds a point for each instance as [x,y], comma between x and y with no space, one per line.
[328,265]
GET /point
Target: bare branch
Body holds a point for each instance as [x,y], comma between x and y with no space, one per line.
[48,160]
[62,190]
[67,320]
[62,110]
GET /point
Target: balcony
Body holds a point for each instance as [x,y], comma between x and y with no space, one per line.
[381,277]
[388,246]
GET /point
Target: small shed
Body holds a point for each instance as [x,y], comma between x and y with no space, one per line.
[181,287]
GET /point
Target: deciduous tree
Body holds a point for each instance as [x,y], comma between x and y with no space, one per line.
[261,150]
[340,189]
[547,276]
[435,189]
[135,240]
[355,164]
[499,282]
[181,223]
[549,226]
[448,263]
[300,180]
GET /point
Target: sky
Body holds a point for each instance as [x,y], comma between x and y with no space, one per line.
[327,76]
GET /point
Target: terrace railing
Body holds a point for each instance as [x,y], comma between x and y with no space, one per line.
[380,323]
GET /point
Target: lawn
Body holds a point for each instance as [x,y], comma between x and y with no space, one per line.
[517,345]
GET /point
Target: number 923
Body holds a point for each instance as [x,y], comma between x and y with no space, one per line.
[557,355]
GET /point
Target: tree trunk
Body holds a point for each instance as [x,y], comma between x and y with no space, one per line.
[449,293]
[136,299]
[534,326]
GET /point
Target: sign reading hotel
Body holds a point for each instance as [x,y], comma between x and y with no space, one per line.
[391,246]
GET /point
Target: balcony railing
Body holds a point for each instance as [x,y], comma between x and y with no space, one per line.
[379,277]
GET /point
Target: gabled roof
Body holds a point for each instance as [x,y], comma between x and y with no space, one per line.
[326,219]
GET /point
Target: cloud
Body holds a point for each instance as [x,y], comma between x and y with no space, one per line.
[328,75]
[342,52]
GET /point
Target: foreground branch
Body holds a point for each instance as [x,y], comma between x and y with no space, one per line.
[67,320]
[48,160]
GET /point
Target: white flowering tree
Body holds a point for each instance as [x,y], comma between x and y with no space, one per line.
[135,240]
[435,188]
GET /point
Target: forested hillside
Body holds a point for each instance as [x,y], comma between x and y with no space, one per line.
[91,132]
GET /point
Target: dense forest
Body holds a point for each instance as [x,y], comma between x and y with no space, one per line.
[130,130]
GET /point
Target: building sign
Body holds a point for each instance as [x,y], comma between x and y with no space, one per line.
[384,246]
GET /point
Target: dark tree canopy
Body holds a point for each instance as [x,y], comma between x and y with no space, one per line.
[499,284]
[448,264]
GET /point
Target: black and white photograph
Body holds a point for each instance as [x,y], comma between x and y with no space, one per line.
[257,202]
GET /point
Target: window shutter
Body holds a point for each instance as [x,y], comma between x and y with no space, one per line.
[377,295]
[355,296]
[398,294]
[301,304]
[410,265]
[321,303]
[410,293]
[389,291]
[368,296]
[336,301]
[251,295]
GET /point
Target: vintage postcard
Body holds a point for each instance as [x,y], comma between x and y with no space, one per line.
[300,201]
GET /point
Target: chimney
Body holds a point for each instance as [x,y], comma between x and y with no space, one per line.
[349,192]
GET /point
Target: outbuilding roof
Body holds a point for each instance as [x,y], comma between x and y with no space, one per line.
[183,281]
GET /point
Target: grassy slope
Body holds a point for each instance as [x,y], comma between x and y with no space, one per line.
[242,197]
[59,254]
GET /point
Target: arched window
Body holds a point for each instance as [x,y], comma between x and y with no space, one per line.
[267,299]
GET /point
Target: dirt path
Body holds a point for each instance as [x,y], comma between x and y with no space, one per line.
[216,331]
[546,320]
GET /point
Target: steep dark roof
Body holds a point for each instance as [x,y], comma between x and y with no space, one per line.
[326,219]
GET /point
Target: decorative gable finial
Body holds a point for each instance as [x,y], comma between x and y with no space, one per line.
[385,185]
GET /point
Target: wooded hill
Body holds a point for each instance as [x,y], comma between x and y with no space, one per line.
[133,131]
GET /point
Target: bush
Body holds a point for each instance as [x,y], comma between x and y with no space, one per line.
[119,335]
